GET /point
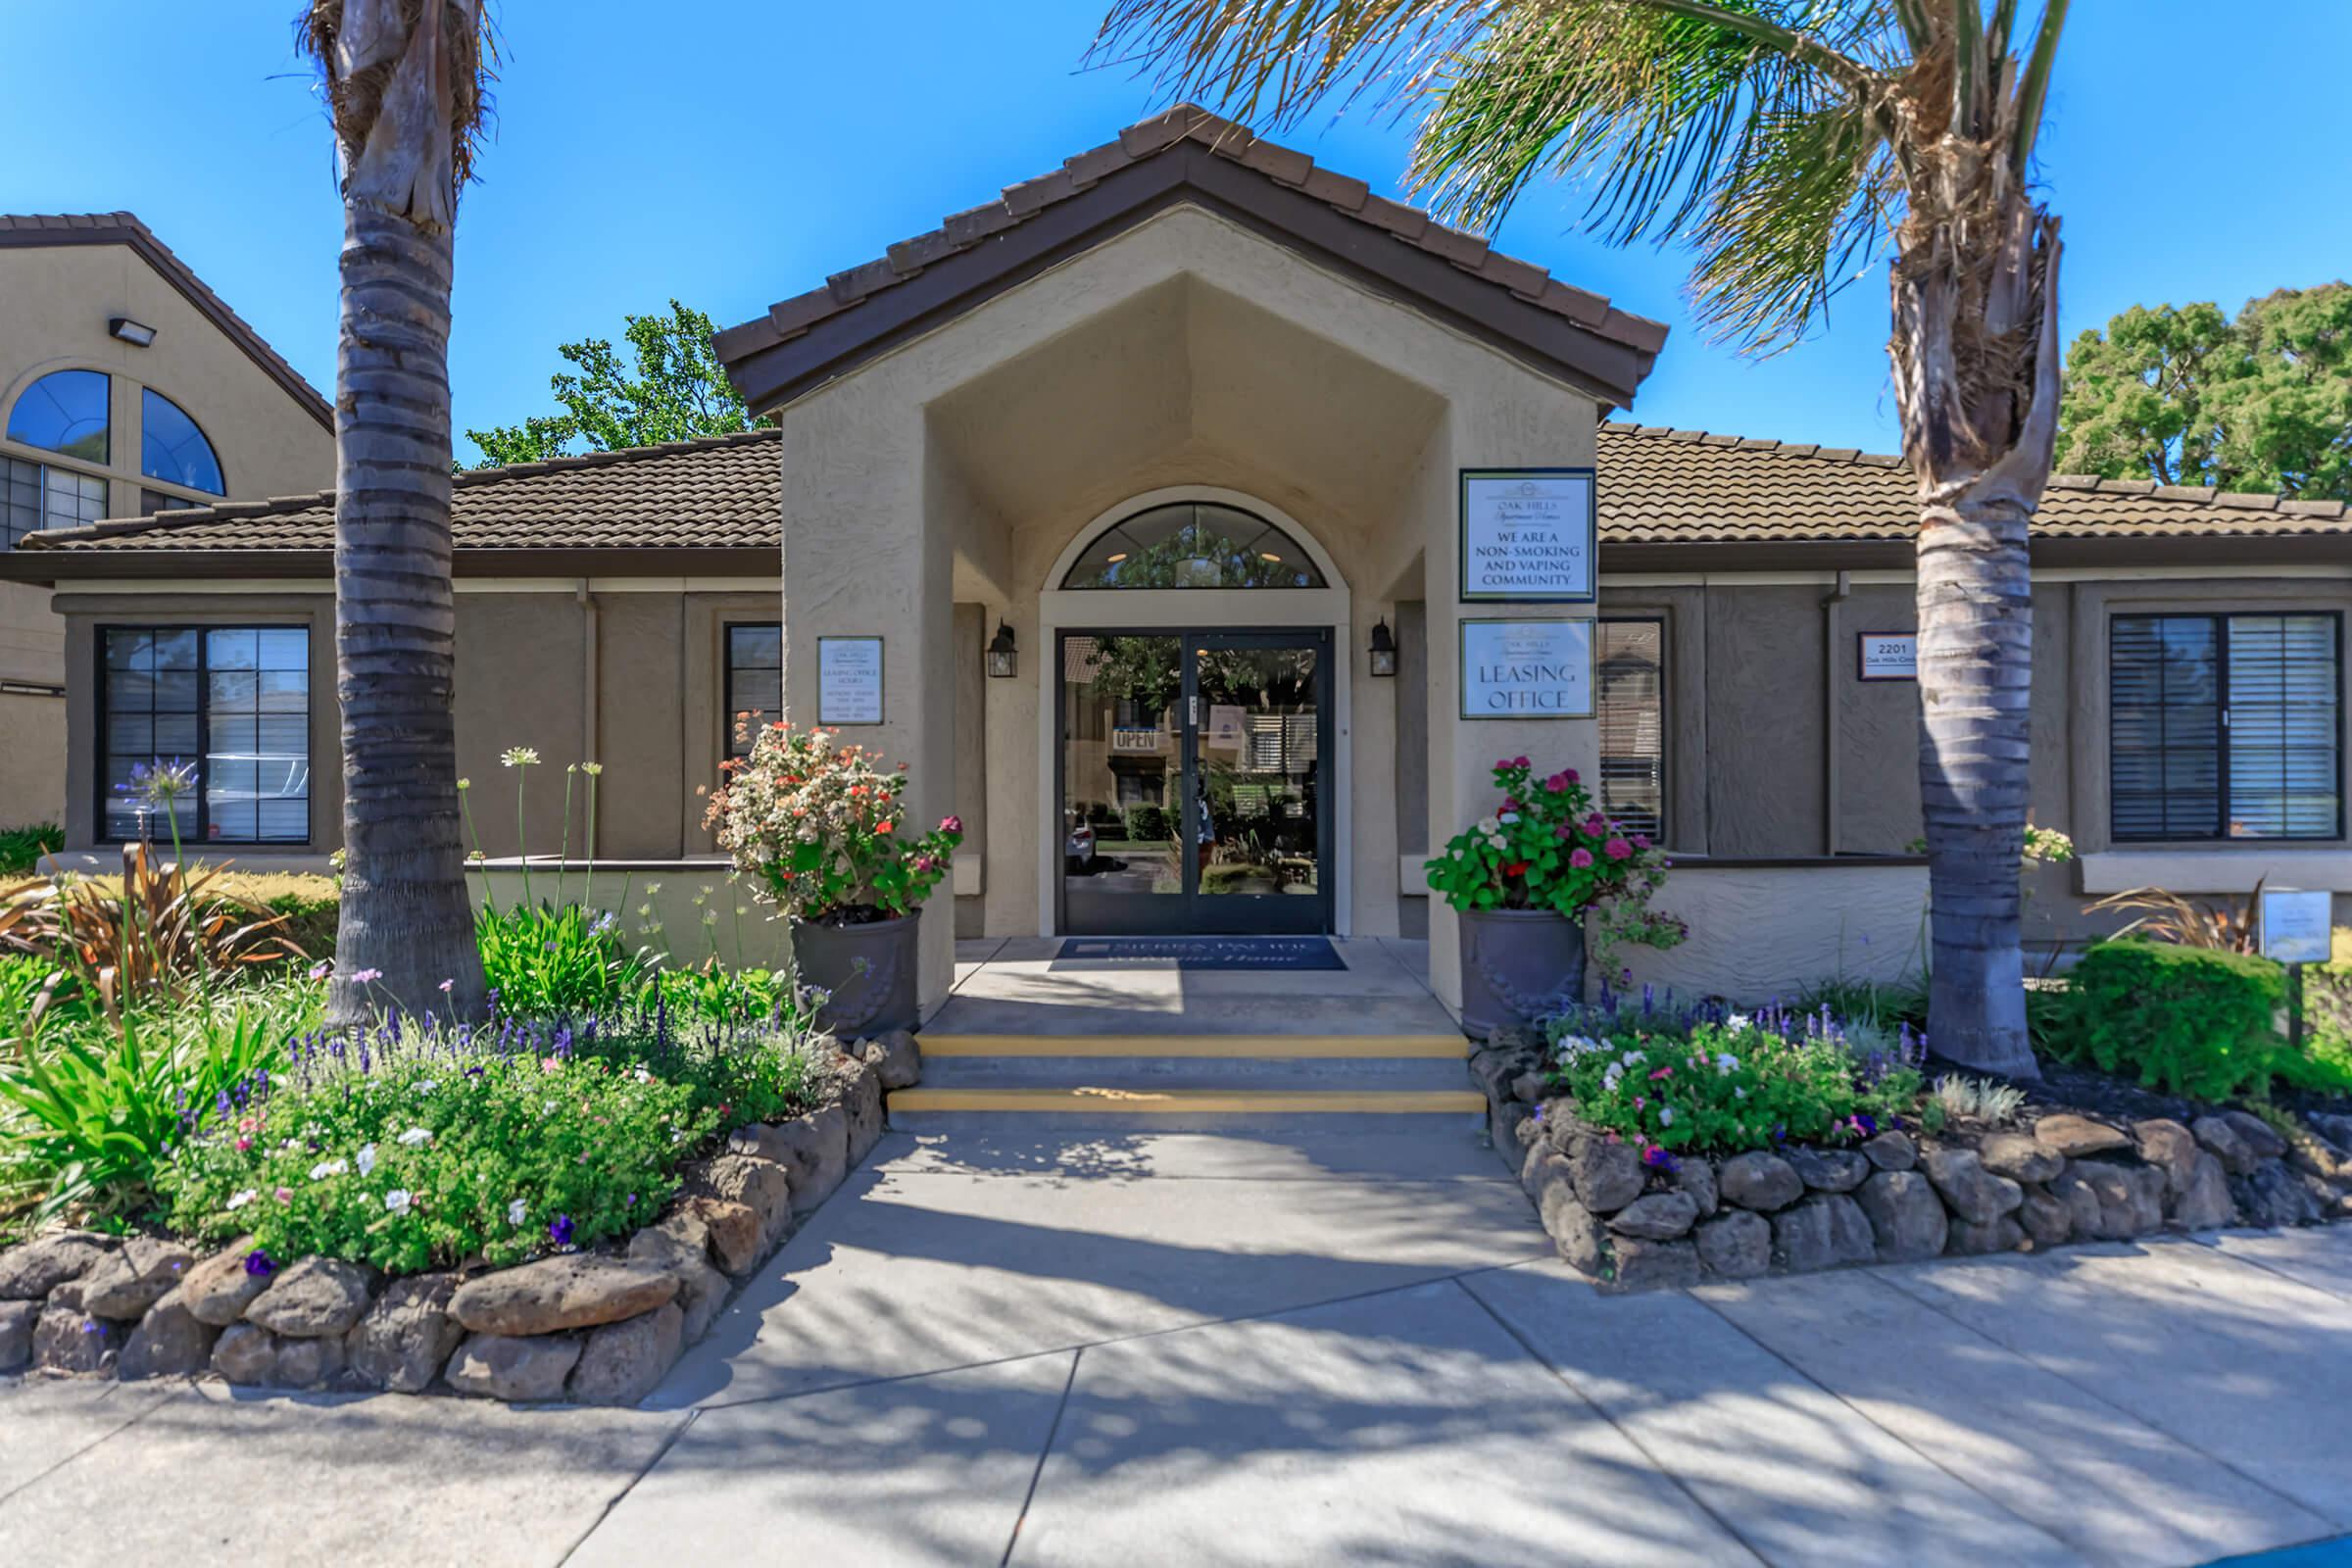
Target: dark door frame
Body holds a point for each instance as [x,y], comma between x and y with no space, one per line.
[1192,913]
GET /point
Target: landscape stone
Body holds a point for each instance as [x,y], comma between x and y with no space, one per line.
[2131,1198]
[1969,1239]
[525,1370]
[1829,1170]
[574,1291]
[1656,1216]
[30,1272]
[1507,1130]
[170,1342]
[1655,1265]
[2019,1157]
[2205,1202]
[1823,1231]
[813,1150]
[2044,1219]
[730,1231]
[1528,1088]
[2272,1195]
[2075,1136]
[15,1332]
[896,1060]
[246,1354]
[1892,1151]
[1607,1175]
[2082,1203]
[2172,1148]
[1696,1176]
[2222,1139]
[1573,1230]
[218,1290]
[624,1362]
[319,1298]
[1735,1244]
[404,1338]
[1974,1193]
[134,1277]
[1759,1181]
[861,1108]
[1907,1221]
[764,1187]
[2255,1133]
[314,1361]
[66,1338]
[702,1288]
[1541,1165]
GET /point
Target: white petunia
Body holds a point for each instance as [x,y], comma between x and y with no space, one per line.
[366,1158]
[417,1135]
[1739,1020]
[514,1212]
[240,1199]
[1665,1115]
[426,1086]
[396,1201]
[329,1168]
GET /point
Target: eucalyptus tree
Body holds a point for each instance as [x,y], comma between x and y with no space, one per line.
[1788,144]
[405,83]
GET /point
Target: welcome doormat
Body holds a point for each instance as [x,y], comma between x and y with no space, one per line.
[1196,953]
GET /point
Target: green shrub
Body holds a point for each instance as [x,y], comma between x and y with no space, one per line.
[22,848]
[550,962]
[1148,823]
[2194,1021]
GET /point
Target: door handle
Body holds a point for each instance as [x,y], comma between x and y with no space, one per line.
[1196,712]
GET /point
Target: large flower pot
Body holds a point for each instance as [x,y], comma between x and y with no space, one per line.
[867,972]
[1519,966]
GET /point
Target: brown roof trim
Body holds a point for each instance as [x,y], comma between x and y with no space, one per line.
[319,565]
[1187,155]
[2121,550]
[33,231]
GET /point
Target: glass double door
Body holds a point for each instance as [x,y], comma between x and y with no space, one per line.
[1195,782]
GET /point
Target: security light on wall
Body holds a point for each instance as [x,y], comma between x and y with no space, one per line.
[136,333]
[1004,659]
[1383,648]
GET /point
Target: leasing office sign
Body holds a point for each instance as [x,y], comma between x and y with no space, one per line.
[1527,669]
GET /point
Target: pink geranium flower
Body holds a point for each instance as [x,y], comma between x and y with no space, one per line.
[1579,858]
[1617,849]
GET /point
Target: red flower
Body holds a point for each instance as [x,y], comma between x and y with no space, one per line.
[1514,869]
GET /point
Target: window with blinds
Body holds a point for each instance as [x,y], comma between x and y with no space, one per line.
[1630,703]
[2225,726]
[754,682]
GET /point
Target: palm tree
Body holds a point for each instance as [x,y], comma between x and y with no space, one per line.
[1788,142]
[404,84]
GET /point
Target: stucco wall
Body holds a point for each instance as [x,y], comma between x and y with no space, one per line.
[32,759]
[1761,933]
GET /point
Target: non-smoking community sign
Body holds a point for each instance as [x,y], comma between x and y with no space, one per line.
[1528,534]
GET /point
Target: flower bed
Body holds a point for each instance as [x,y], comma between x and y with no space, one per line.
[1671,1147]
[599,1318]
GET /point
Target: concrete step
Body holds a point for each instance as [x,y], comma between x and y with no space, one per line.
[1134,1107]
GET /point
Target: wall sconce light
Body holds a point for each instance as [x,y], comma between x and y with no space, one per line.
[136,333]
[1383,648]
[1003,657]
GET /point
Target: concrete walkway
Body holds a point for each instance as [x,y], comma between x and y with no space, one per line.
[1193,1350]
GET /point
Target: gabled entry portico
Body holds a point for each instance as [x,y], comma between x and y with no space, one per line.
[1183,319]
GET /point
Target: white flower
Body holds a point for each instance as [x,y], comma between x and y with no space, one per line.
[1726,1063]
[417,1135]
[642,1076]
[396,1201]
[1739,1020]
[240,1199]
[366,1159]
[1508,817]
[329,1168]
[1738,1093]
[1665,1115]
[1490,826]
[426,1086]
[514,1212]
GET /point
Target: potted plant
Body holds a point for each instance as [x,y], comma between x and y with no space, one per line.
[821,829]
[1524,878]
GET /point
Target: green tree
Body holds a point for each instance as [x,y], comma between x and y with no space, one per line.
[1787,141]
[670,387]
[403,82]
[2187,396]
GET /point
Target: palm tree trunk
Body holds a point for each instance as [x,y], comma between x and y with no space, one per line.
[403,908]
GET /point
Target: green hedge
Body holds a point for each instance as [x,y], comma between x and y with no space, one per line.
[1148,823]
[2189,1021]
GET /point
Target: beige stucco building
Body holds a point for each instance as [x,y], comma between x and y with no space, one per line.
[1129,510]
[126,387]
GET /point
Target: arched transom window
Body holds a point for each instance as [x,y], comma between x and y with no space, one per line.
[1193,544]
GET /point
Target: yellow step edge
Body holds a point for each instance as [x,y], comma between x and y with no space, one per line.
[1437,1048]
[1148,1101]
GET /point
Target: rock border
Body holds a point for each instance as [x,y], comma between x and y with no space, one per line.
[1898,1197]
[599,1327]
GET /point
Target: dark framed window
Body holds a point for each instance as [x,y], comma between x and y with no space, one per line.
[754,682]
[1629,702]
[1194,545]
[2225,726]
[34,496]
[172,449]
[64,412]
[233,700]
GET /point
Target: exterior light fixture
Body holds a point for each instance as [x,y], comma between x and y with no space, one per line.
[1003,657]
[136,333]
[1383,648]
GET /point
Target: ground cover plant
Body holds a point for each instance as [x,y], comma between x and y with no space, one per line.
[1702,1079]
[22,848]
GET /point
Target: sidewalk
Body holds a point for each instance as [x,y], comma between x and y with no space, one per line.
[1348,1350]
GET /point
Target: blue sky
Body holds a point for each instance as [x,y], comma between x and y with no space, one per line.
[733,154]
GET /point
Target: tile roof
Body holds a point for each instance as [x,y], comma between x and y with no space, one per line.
[966,231]
[1665,487]
[1657,486]
[36,229]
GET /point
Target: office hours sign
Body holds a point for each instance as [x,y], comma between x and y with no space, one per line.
[1527,535]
